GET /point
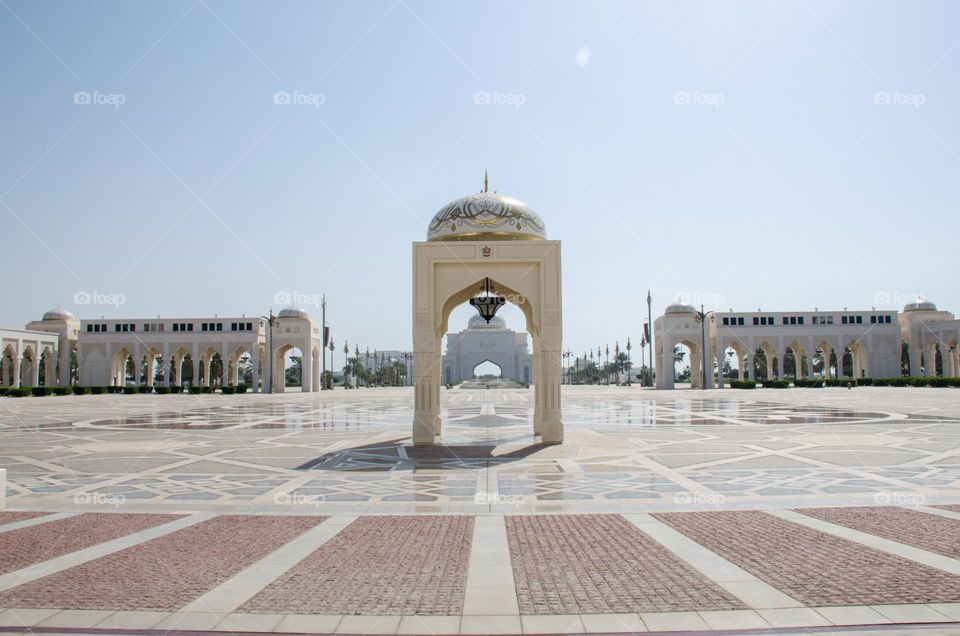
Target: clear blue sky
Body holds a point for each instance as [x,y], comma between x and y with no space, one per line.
[782,185]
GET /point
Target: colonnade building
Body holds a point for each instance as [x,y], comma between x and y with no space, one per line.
[875,341]
[208,351]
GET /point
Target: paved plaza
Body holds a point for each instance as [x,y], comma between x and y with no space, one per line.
[313,513]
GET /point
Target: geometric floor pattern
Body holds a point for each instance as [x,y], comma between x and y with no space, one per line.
[666,510]
[624,447]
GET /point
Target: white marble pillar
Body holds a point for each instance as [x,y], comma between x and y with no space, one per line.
[35,370]
[426,387]
[306,371]
[16,370]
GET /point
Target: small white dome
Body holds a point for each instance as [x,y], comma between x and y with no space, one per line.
[293,312]
[477,322]
[920,305]
[58,314]
[679,308]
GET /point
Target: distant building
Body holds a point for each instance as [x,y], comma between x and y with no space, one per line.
[487,342]
[873,339]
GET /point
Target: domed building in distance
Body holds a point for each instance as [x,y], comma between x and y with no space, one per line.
[484,341]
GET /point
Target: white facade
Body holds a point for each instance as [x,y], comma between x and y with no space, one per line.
[872,338]
[22,351]
[487,342]
[926,330]
[106,345]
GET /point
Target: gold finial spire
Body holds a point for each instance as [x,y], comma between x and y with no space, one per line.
[484,180]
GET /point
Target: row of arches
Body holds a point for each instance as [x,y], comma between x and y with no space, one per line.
[34,366]
[210,368]
[737,361]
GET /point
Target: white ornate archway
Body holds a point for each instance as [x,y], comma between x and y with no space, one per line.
[447,274]
[480,237]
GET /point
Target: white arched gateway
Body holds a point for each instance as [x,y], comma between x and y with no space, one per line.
[487,238]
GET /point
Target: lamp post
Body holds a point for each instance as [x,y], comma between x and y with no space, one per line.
[629,382]
[271,322]
[650,333]
[617,363]
[332,350]
[643,360]
[606,367]
[701,317]
[324,333]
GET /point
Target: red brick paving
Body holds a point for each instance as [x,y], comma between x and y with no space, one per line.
[13,516]
[811,566]
[31,545]
[602,564]
[912,527]
[379,565]
[164,573]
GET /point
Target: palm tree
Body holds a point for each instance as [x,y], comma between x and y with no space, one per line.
[293,372]
[678,354]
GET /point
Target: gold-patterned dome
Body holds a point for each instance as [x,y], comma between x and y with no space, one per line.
[486,216]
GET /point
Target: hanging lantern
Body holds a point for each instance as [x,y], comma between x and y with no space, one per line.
[487,302]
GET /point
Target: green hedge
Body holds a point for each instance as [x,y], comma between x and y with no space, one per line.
[176,388]
[61,390]
[40,391]
[161,390]
[809,383]
[743,384]
[81,390]
[195,390]
[228,390]
[18,391]
[776,384]
[130,390]
[241,388]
